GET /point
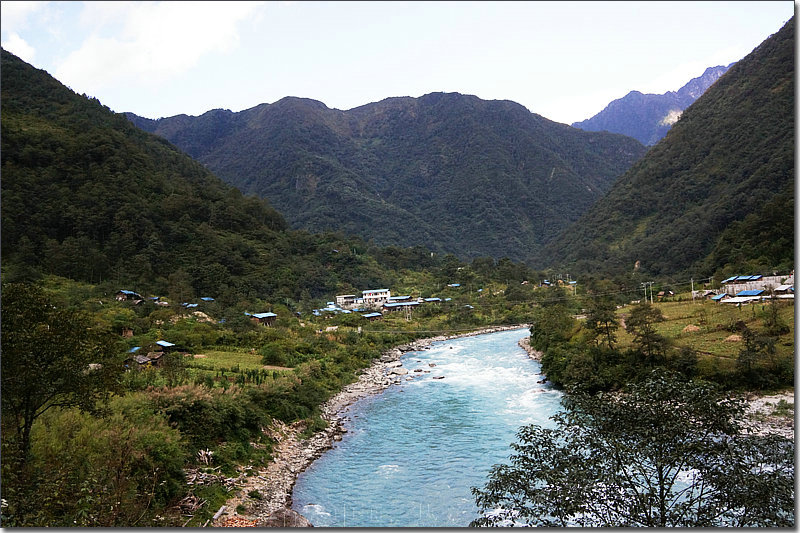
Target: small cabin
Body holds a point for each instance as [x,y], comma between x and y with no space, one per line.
[127,295]
[266,319]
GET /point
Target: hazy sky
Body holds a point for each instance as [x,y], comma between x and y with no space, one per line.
[563,60]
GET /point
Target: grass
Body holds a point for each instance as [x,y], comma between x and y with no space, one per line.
[228,360]
[715,321]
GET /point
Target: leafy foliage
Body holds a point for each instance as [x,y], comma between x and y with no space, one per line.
[681,208]
[51,358]
[449,172]
[667,453]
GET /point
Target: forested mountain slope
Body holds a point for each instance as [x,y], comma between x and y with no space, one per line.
[648,117]
[88,196]
[450,172]
[726,167]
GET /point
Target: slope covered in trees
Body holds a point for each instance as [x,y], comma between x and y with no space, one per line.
[450,172]
[88,196]
[727,166]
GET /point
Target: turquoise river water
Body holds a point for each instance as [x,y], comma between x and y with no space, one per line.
[412,453]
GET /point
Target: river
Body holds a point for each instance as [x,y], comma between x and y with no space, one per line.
[412,453]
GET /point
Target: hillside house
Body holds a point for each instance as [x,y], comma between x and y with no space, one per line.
[398,306]
[372,317]
[376,297]
[123,295]
[266,319]
[736,284]
[346,300]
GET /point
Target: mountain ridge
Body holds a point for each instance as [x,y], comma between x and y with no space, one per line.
[451,172]
[648,117]
[728,164]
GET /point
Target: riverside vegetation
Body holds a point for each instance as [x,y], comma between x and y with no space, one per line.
[91,205]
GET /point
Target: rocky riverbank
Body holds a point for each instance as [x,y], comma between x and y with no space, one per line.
[265,497]
[525,344]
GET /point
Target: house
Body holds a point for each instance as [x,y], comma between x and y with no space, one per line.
[454,285]
[165,345]
[207,299]
[705,294]
[735,284]
[346,300]
[397,306]
[664,294]
[127,295]
[753,292]
[719,297]
[432,300]
[266,319]
[376,297]
[395,299]
[373,316]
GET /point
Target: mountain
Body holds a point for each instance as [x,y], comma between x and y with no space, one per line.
[648,117]
[447,171]
[716,194]
[88,196]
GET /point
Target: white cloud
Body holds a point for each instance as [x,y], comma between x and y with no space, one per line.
[17,46]
[15,14]
[148,43]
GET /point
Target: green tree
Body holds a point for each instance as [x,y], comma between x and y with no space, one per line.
[669,452]
[602,321]
[47,353]
[650,344]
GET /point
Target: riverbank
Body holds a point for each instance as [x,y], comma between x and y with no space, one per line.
[265,498]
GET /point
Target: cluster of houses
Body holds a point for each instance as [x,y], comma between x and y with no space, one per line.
[738,290]
[154,355]
[372,304]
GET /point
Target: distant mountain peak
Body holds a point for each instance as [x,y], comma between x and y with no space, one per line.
[648,117]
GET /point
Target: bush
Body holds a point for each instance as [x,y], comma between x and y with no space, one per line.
[84,471]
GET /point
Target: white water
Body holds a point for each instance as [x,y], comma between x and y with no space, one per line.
[413,452]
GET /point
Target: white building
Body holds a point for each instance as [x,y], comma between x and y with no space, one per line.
[376,297]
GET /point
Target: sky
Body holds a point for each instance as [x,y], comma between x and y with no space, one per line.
[563,60]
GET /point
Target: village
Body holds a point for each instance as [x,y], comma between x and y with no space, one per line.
[375,304]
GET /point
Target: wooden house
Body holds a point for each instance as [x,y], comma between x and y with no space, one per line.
[266,319]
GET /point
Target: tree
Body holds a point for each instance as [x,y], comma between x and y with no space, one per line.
[668,453]
[641,324]
[602,320]
[51,357]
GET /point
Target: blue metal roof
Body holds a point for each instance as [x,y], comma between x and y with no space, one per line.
[454,285]
[754,292]
[123,291]
[433,299]
[400,304]
[207,299]
[165,344]
[264,315]
[371,315]
[719,297]
[135,349]
[729,279]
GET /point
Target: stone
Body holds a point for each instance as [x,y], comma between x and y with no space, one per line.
[284,518]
